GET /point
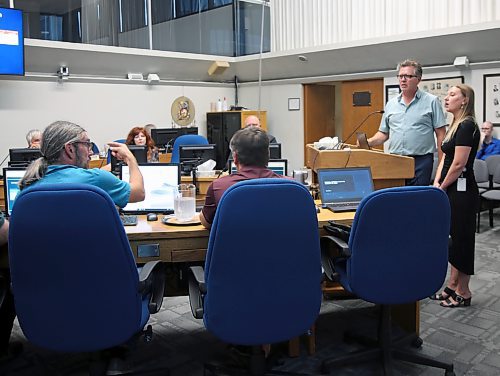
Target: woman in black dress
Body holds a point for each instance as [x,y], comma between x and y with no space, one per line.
[455,175]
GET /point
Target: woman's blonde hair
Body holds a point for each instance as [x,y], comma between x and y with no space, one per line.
[467,111]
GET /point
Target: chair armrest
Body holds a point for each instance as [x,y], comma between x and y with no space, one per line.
[152,281]
[197,290]
[332,249]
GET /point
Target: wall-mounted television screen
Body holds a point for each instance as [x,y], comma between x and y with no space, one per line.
[11,42]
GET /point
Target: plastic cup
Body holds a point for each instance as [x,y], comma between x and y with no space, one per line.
[185,202]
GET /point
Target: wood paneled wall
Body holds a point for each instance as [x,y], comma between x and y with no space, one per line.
[354,115]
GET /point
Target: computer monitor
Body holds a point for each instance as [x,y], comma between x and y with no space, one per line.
[11,177]
[274,151]
[11,42]
[160,181]
[140,153]
[22,157]
[165,137]
[191,156]
[190,130]
[279,166]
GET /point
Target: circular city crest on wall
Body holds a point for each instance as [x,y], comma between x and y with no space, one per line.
[183,111]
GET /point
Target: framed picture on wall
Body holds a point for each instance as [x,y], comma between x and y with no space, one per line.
[439,87]
[491,98]
[391,91]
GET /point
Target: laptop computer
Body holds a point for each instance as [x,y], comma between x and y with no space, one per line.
[11,176]
[279,166]
[342,189]
[160,181]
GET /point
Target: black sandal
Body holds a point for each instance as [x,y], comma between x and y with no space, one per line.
[459,299]
[449,292]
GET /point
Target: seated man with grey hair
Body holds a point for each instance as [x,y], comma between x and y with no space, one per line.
[250,149]
[66,151]
[33,138]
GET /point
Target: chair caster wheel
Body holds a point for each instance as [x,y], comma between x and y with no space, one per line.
[417,343]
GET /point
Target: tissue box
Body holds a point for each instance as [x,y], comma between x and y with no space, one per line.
[205,174]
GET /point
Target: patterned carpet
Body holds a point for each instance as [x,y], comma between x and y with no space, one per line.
[468,337]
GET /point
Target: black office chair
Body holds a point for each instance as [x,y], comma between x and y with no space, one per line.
[76,285]
[491,198]
[262,277]
[397,254]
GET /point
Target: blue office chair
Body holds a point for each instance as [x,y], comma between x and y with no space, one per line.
[74,278]
[121,141]
[95,149]
[262,277]
[187,139]
[397,253]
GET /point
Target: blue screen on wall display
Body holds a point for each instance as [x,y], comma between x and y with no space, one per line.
[11,42]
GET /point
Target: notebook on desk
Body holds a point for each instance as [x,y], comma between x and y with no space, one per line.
[11,177]
[342,189]
[160,182]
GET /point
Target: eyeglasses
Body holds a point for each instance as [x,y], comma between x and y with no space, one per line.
[88,143]
[406,76]
[486,129]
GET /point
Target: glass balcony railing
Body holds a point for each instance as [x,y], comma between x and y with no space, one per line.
[215,27]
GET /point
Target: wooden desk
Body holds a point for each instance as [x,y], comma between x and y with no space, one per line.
[187,244]
[98,163]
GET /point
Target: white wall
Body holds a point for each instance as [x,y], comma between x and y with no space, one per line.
[308,23]
[106,110]
[286,126]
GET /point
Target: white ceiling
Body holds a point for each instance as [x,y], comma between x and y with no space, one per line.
[377,57]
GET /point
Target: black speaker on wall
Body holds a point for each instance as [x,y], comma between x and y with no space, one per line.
[362,98]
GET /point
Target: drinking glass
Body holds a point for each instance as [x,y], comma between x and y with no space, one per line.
[185,202]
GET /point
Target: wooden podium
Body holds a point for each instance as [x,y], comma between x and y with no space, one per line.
[388,170]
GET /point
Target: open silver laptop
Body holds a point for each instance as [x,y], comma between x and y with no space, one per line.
[342,189]
[11,177]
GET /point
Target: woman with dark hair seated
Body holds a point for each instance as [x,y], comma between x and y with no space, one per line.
[139,136]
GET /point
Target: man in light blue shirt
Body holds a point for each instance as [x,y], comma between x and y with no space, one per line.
[66,151]
[410,121]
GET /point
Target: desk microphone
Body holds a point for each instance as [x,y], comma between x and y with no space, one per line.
[360,124]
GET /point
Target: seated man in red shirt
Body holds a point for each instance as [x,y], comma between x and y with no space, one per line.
[250,150]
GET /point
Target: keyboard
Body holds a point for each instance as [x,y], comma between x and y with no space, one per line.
[343,206]
[129,220]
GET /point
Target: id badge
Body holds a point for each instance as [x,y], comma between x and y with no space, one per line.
[461,184]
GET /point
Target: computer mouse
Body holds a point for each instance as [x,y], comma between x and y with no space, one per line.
[152,217]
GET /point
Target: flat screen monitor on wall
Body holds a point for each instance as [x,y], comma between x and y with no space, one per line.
[11,42]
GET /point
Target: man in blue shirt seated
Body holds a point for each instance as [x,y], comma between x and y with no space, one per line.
[490,144]
[411,119]
[66,151]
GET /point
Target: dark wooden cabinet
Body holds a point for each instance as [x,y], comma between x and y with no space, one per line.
[222,125]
